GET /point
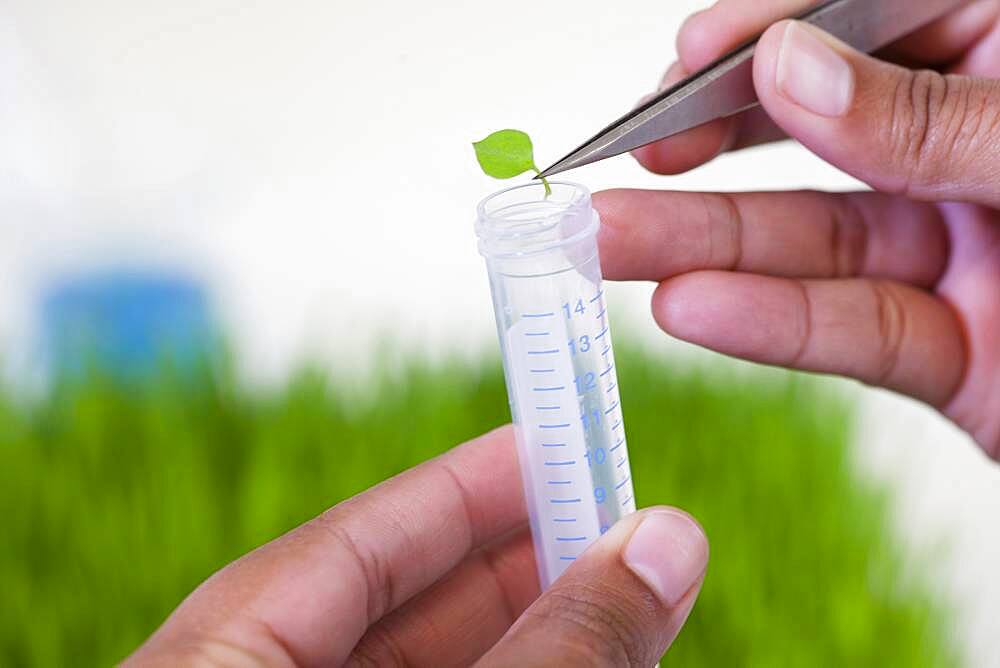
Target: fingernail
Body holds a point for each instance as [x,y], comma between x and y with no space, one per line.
[813,75]
[668,552]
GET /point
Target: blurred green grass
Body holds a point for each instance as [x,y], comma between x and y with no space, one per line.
[119,500]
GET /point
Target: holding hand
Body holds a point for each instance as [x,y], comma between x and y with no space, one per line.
[435,567]
[898,288]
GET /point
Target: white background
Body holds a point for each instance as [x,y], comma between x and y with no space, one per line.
[310,161]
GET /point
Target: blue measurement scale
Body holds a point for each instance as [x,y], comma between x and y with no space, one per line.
[570,420]
[552,319]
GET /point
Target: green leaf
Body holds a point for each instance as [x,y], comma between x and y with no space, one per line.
[506,154]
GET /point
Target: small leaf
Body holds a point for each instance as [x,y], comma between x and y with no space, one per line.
[505,154]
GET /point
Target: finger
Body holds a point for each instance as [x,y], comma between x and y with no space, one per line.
[652,235]
[697,146]
[983,57]
[709,34]
[972,285]
[621,603]
[946,40]
[318,588]
[458,619]
[688,149]
[703,38]
[879,332]
[921,134]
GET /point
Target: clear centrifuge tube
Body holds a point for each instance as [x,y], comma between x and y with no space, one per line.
[552,318]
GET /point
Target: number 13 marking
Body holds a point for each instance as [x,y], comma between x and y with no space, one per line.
[583,345]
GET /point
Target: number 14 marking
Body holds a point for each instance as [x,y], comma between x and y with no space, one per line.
[569,309]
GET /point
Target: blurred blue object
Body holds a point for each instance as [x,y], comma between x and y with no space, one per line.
[127,324]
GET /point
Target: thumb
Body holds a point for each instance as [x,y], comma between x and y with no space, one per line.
[621,603]
[922,134]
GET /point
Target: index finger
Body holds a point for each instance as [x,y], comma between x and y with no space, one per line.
[706,36]
[653,235]
[309,596]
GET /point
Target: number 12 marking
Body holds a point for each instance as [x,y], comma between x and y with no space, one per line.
[585,382]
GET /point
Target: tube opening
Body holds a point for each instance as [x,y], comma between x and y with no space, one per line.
[522,221]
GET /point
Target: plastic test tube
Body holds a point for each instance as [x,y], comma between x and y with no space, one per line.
[552,318]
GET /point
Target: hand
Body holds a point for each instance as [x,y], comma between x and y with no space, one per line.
[898,288]
[435,567]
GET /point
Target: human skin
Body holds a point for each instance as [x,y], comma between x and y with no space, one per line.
[898,288]
[435,567]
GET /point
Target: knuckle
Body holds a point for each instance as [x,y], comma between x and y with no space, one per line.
[723,230]
[379,583]
[592,633]
[917,97]
[891,319]
[378,647]
[804,329]
[209,653]
[848,238]
[935,122]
